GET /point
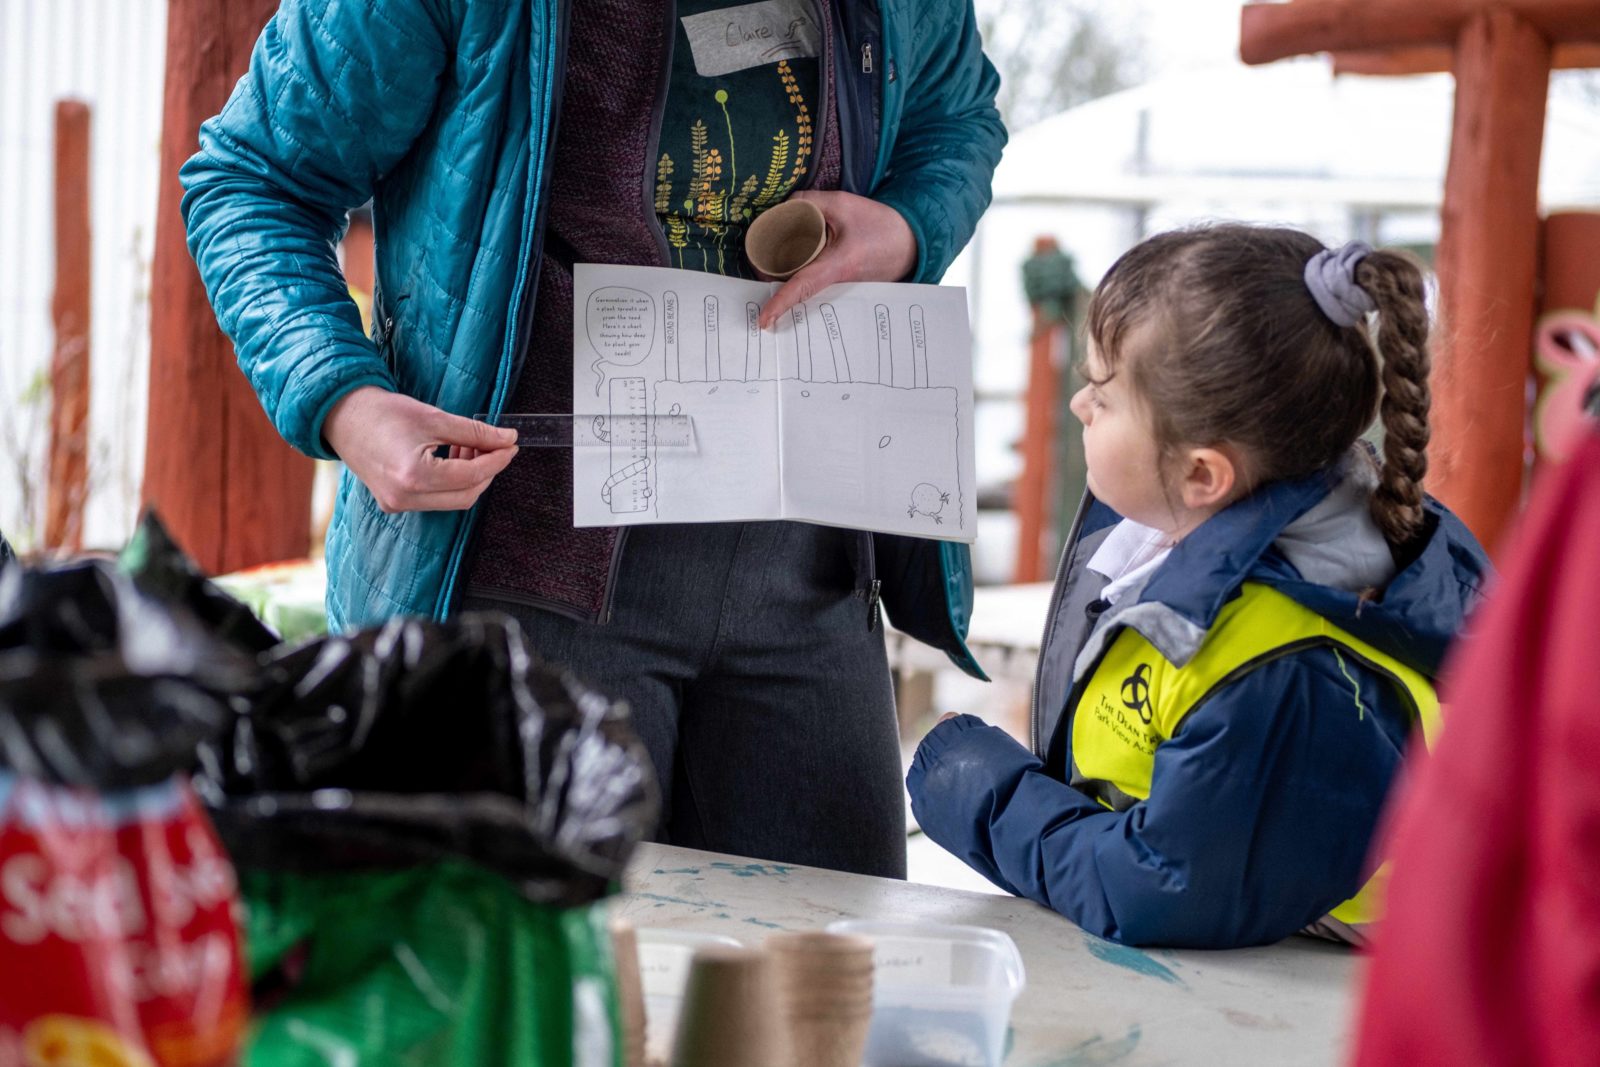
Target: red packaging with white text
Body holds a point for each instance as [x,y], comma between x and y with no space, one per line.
[118,930]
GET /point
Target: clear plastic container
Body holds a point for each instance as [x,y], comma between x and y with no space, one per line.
[664,957]
[942,995]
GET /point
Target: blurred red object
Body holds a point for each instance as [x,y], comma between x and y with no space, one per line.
[117,930]
[1490,951]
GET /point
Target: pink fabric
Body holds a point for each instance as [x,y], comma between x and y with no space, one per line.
[1490,951]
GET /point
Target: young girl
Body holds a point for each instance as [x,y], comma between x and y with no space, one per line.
[1249,615]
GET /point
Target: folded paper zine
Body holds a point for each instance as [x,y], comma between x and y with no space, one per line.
[855,410]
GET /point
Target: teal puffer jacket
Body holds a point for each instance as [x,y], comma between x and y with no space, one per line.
[442,113]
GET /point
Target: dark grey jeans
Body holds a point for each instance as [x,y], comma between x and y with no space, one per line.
[757,686]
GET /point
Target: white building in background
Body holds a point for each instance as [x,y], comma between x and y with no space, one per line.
[1345,158]
[109,54]
[1286,143]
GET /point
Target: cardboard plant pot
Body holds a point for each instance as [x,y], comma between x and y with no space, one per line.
[786,238]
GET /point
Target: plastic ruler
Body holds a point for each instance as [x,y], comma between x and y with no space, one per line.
[589,431]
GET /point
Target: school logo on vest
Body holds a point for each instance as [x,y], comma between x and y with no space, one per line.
[1136,692]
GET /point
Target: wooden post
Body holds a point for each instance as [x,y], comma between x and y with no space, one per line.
[1570,271]
[227,486]
[1566,339]
[1034,489]
[1502,52]
[1488,259]
[67,490]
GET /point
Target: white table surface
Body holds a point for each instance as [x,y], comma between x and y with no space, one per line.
[1087,1002]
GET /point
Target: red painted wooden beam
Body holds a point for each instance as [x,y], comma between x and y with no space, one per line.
[1487,266]
[1277,31]
[1436,59]
[231,491]
[1567,333]
[1035,486]
[67,489]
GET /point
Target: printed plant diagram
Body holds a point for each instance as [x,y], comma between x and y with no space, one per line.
[855,411]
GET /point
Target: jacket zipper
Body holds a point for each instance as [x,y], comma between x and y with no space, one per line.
[859,109]
[874,95]
[873,591]
[530,284]
[1050,621]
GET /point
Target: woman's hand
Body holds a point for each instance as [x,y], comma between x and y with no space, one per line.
[390,441]
[867,242]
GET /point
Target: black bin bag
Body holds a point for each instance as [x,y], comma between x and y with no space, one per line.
[415,741]
[426,819]
[161,569]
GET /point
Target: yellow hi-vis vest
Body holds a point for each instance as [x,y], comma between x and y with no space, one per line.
[1136,699]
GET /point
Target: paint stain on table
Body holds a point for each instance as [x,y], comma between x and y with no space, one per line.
[752,870]
[1130,959]
[1099,1052]
[661,901]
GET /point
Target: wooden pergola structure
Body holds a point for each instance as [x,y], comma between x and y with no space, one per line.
[1502,53]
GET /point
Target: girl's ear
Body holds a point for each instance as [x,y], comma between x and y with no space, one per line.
[1210,479]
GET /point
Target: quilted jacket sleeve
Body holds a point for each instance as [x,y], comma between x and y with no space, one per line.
[1258,820]
[949,139]
[334,97]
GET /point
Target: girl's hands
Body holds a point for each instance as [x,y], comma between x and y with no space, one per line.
[867,242]
[390,441]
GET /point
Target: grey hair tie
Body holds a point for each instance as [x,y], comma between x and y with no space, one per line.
[1331,277]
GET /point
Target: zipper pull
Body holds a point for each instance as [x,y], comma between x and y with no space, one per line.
[866,58]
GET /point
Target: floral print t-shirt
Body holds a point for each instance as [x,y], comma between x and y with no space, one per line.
[738,130]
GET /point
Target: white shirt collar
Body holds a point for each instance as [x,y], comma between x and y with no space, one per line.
[1130,552]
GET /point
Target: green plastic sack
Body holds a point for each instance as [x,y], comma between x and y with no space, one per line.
[438,966]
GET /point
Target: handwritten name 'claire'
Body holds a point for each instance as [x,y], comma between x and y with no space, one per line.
[738,34]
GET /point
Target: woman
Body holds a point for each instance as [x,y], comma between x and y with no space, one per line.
[501,142]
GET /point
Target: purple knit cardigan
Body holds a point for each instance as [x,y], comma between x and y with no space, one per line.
[600,211]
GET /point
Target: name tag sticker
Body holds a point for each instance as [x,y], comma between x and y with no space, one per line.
[914,961]
[752,35]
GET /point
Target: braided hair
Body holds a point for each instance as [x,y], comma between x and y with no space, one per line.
[1224,342]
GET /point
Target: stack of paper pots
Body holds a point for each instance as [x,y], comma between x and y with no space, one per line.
[824,984]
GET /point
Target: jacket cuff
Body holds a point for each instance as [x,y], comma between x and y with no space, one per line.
[945,736]
[919,273]
[326,382]
[959,762]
